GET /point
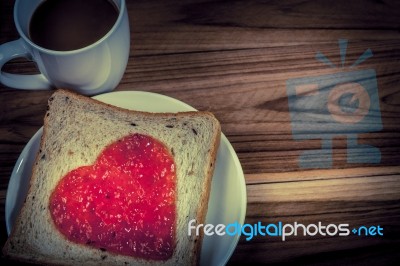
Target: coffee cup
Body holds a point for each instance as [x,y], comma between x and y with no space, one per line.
[93,69]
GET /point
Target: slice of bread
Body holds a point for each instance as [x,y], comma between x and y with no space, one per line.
[76,130]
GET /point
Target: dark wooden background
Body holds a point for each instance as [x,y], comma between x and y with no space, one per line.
[233,58]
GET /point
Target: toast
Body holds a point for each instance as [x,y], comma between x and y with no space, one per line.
[76,130]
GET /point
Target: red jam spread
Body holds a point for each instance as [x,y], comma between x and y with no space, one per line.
[123,203]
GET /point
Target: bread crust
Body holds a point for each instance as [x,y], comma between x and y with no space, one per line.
[202,211]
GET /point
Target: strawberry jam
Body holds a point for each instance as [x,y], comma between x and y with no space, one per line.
[123,203]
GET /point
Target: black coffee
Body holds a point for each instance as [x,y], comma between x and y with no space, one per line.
[65,25]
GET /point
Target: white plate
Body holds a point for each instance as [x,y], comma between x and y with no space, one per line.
[228,192]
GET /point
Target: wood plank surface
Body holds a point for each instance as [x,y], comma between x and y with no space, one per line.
[234,58]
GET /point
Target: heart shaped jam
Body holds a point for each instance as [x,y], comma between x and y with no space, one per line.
[123,203]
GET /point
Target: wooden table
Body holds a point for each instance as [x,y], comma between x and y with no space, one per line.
[234,58]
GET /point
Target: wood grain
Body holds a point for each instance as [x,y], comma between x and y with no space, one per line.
[354,196]
[233,58]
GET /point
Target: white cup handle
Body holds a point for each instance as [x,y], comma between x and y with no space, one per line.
[13,50]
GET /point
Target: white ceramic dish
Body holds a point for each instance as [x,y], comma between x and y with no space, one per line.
[228,192]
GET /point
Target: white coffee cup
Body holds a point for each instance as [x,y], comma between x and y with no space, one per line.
[91,70]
